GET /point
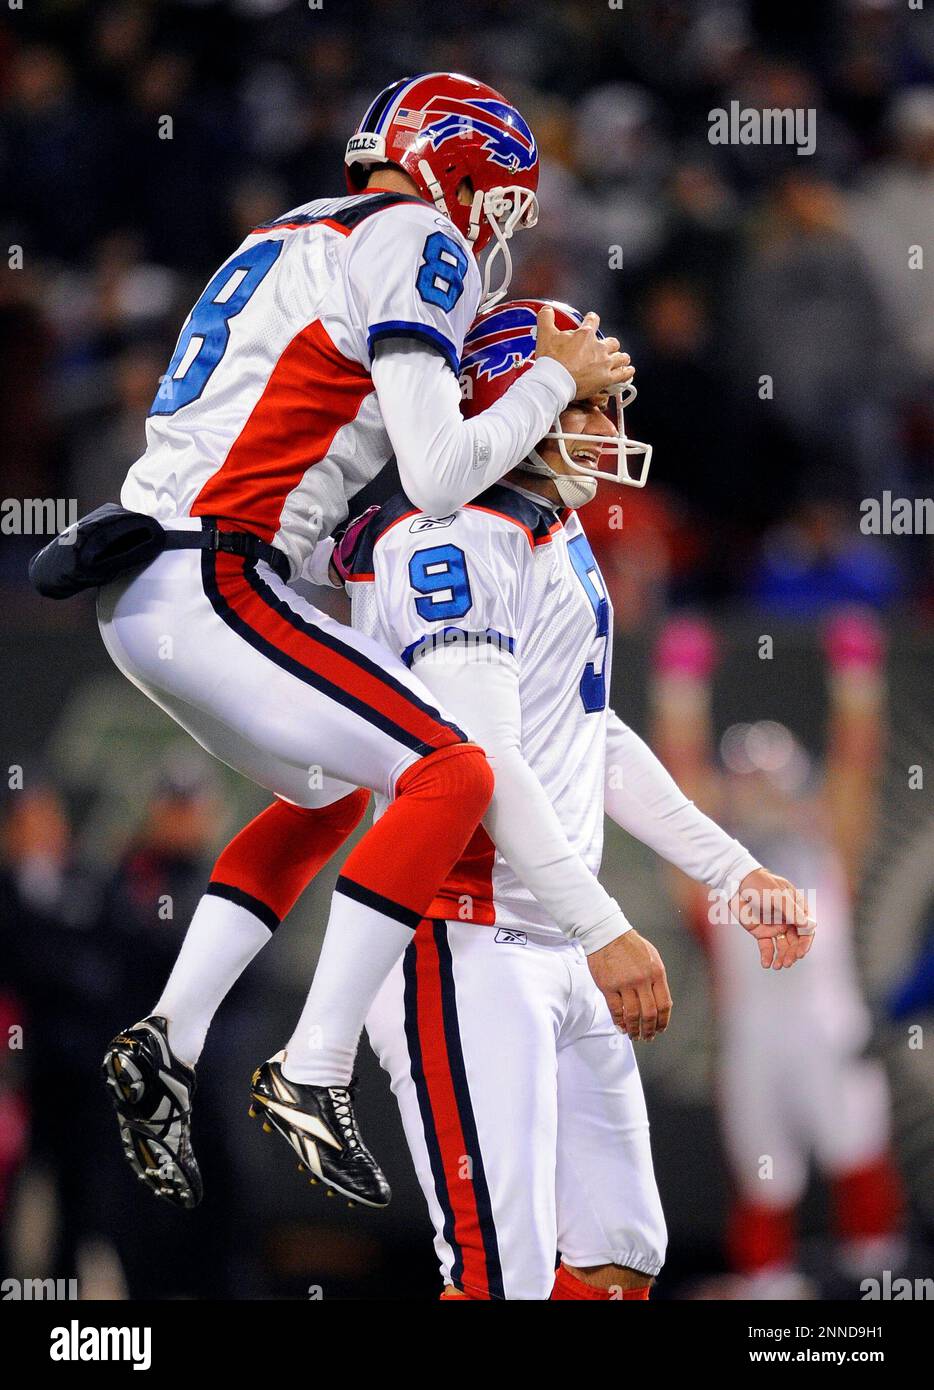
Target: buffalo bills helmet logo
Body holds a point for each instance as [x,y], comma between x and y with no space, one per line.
[504,339]
[501,343]
[508,141]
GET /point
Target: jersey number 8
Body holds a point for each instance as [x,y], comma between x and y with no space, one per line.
[204,338]
[441,278]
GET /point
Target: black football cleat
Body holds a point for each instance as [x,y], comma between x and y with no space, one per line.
[151,1091]
[319,1123]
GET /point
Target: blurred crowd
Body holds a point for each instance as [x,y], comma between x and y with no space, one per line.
[77,946]
[784,344]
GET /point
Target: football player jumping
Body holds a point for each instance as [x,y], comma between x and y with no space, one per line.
[330,339]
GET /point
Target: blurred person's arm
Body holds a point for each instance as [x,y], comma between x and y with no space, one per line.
[682,731]
[854,647]
[767,906]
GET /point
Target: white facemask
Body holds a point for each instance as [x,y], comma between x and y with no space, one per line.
[613,450]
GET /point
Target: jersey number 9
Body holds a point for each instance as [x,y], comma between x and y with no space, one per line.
[593,680]
[440,575]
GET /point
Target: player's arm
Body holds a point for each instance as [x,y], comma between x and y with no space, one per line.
[855,650]
[415,290]
[646,801]
[480,687]
[445,460]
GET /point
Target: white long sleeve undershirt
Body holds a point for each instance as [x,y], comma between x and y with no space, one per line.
[644,799]
[445,460]
[480,688]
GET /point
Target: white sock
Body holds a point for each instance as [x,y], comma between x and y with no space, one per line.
[220,943]
[360,948]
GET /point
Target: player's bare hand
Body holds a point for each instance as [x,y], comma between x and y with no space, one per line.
[775,912]
[631,977]
[595,363]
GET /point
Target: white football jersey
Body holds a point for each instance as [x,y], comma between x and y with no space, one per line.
[266,415]
[510,571]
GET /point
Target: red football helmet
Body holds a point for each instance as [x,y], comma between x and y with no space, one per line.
[442,128]
[500,346]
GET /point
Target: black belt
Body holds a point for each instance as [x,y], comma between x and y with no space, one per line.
[233,543]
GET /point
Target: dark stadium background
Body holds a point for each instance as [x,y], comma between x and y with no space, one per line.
[737,262]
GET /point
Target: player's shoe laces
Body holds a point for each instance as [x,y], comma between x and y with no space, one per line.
[151,1091]
[319,1123]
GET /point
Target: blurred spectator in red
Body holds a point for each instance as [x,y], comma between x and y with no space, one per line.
[26,426]
[14,1107]
[685,410]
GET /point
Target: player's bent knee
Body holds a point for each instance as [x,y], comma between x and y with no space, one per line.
[459,775]
[472,779]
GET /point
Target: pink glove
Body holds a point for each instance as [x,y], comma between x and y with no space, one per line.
[686,647]
[347,541]
[854,641]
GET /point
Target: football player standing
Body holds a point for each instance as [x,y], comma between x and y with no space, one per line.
[521,1101]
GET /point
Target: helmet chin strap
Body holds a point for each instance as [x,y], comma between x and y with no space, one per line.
[573,488]
[575,492]
[504,220]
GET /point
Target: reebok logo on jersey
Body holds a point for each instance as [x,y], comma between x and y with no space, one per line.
[506,935]
[430,523]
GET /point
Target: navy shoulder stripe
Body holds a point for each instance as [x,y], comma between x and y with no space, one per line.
[390,511]
[537,517]
[348,217]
